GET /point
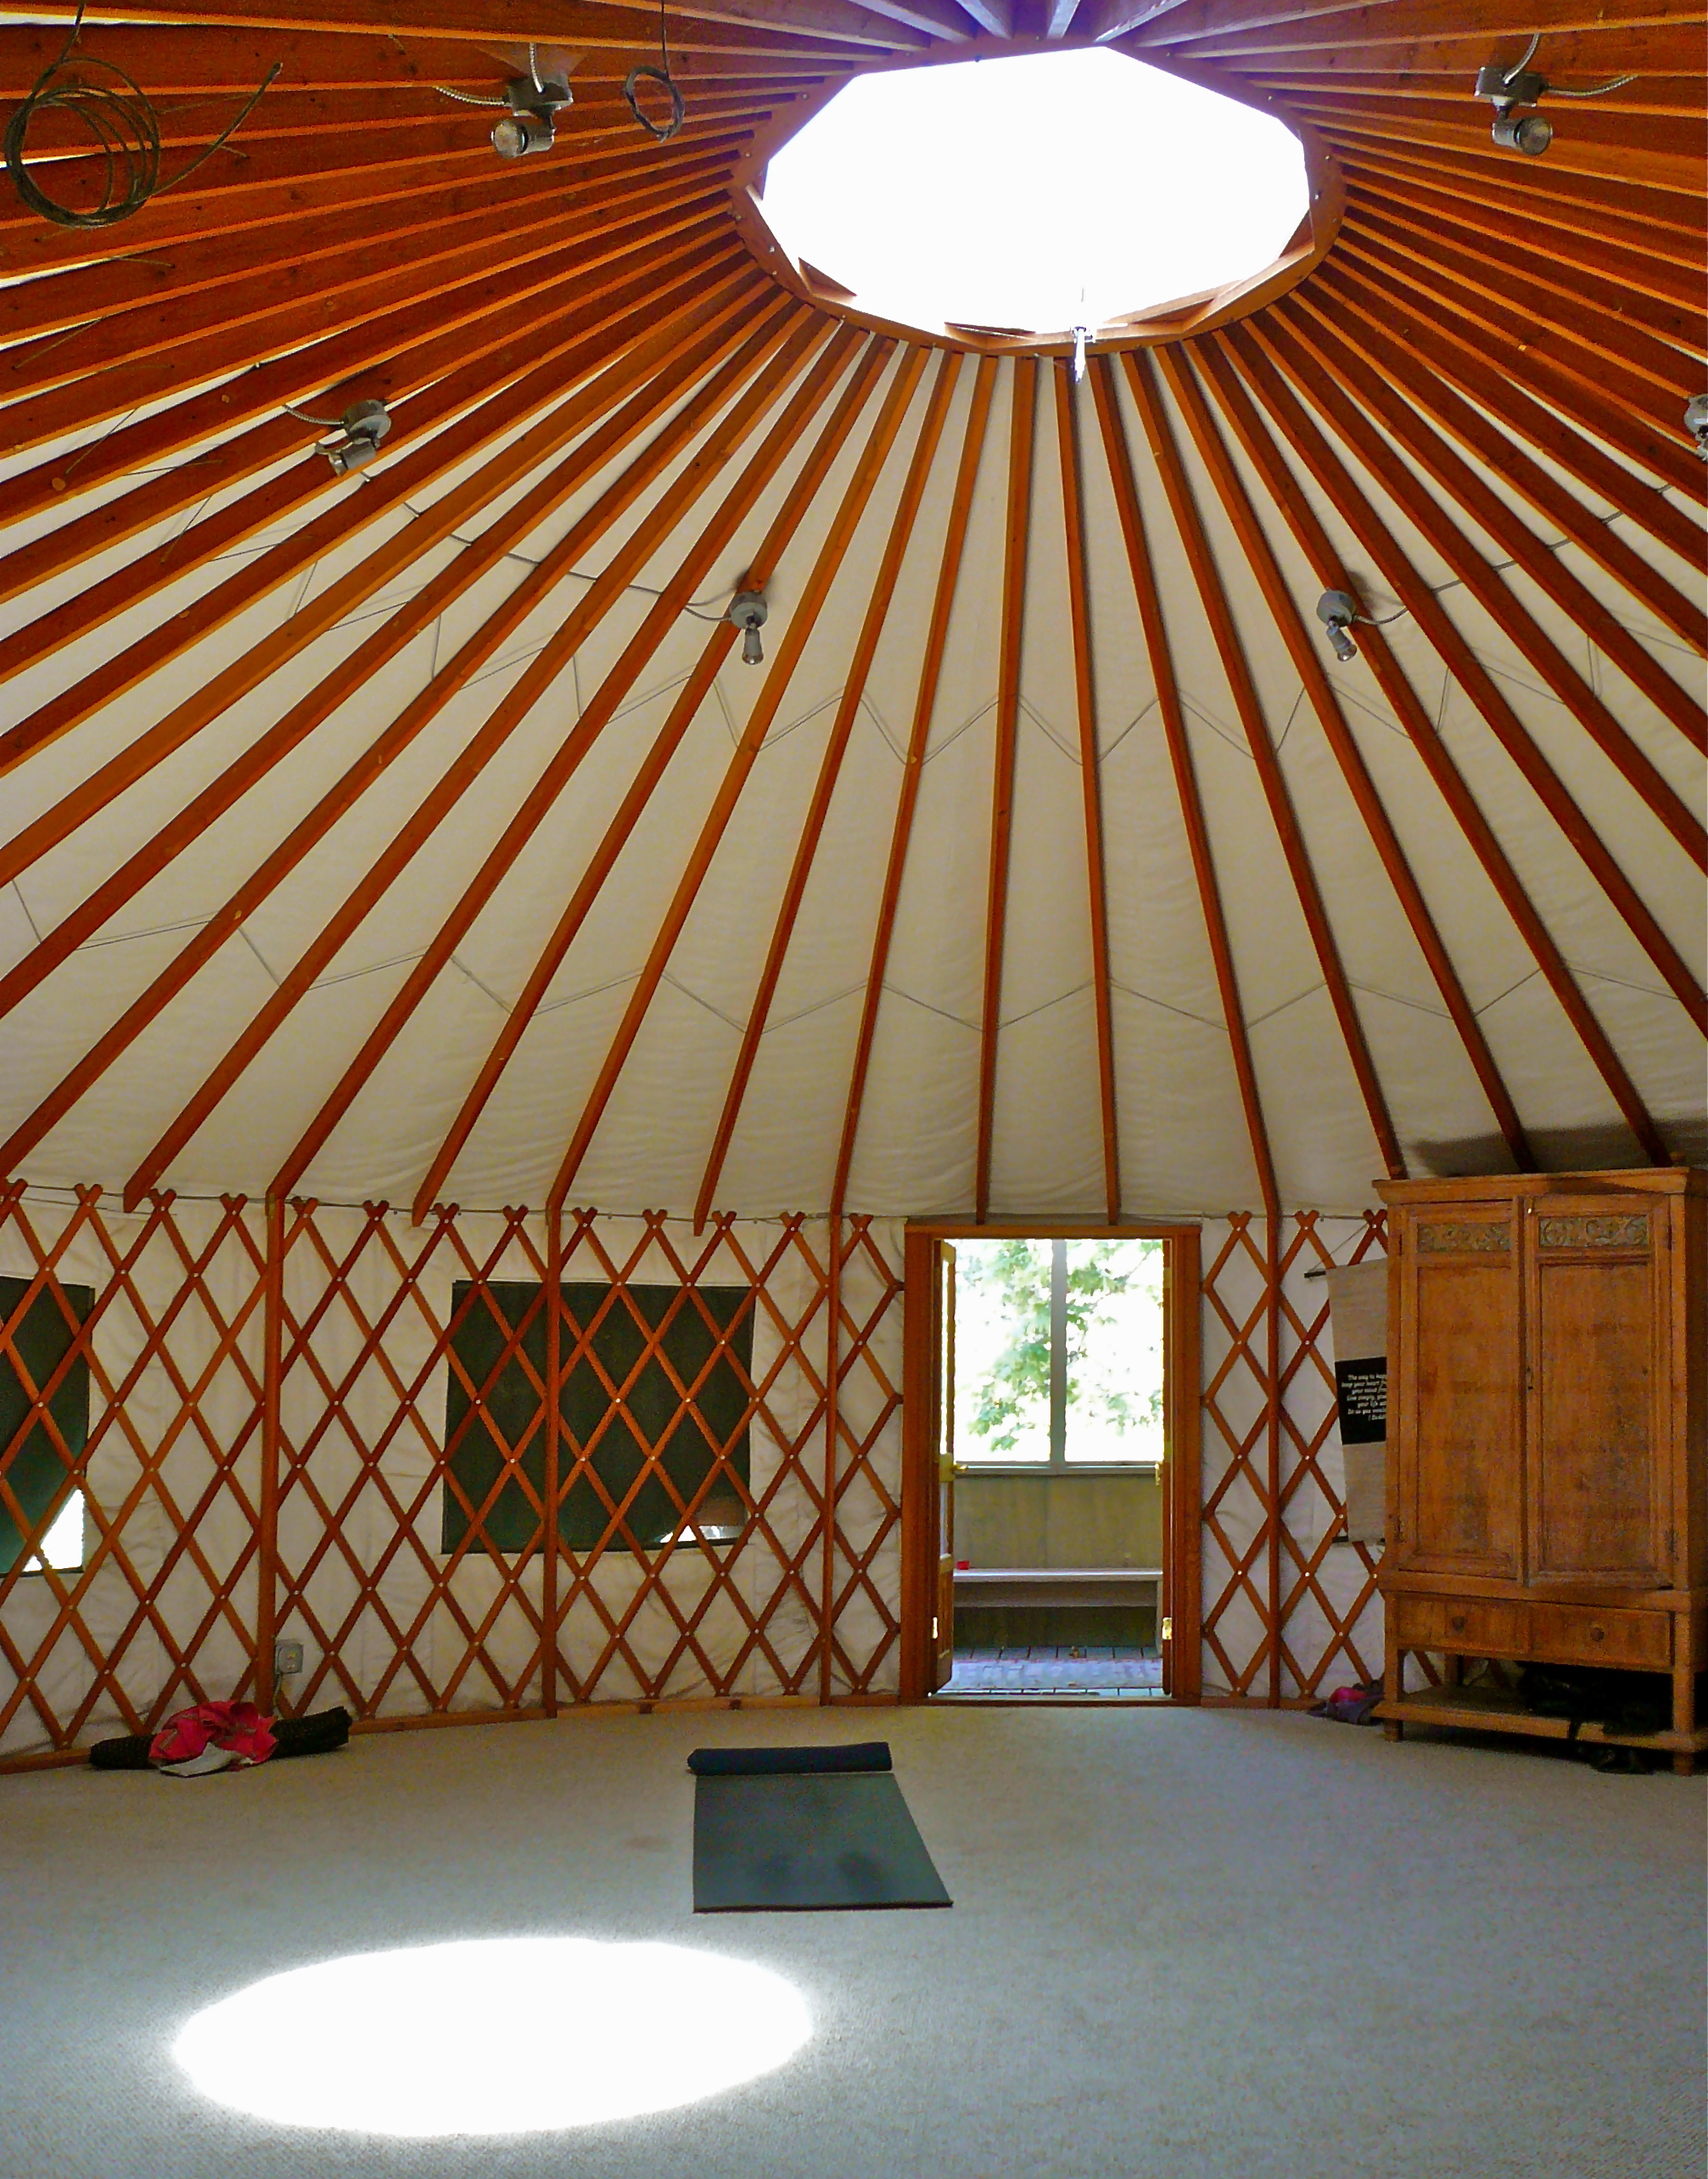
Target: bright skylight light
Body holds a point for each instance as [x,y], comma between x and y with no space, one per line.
[1038,192]
[492,2036]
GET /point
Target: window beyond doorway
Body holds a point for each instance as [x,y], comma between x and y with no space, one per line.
[1059,1352]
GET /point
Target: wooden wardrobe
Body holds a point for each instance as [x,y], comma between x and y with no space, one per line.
[1548,1482]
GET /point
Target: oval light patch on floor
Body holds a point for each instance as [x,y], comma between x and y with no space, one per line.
[492,2036]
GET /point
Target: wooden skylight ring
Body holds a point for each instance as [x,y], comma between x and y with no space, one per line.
[1175,318]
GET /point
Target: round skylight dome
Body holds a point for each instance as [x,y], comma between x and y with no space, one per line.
[1032,192]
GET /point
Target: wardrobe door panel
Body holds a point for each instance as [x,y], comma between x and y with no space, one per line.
[1461,1506]
[1597,1465]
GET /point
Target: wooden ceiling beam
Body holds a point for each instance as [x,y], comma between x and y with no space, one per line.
[684,710]
[448,219]
[1303,648]
[283,219]
[1413,92]
[1456,360]
[326,355]
[1355,433]
[1160,657]
[359,778]
[360,163]
[1576,149]
[1640,220]
[598,714]
[994,18]
[512,708]
[939,20]
[1371,40]
[1635,272]
[925,705]
[1598,540]
[1403,20]
[746,754]
[542,388]
[1468,494]
[625,319]
[1559,266]
[1335,480]
[1190,526]
[1584,337]
[830,766]
[1570,382]
[664,370]
[1090,778]
[248,321]
[180,63]
[1058,17]
[810,27]
[1017,540]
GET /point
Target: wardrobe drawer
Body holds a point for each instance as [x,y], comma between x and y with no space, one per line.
[1470,1626]
[1579,1634]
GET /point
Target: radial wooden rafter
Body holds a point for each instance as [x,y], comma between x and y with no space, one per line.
[1483,383]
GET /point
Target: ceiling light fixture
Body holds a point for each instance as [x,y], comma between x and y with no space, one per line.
[1521,85]
[1337,610]
[364,423]
[534,102]
[748,612]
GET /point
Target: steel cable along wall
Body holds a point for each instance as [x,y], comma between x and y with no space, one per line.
[417,835]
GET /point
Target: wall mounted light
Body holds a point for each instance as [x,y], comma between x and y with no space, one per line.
[1696,422]
[748,612]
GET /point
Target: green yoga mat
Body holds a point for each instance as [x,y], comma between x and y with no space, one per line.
[805,1842]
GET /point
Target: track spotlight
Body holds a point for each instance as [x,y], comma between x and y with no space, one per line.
[1696,422]
[1530,134]
[531,123]
[747,612]
[1337,610]
[1521,85]
[364,425]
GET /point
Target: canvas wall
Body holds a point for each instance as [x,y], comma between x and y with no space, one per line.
[266,1458]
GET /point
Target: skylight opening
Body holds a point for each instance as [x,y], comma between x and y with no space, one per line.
[1034,192]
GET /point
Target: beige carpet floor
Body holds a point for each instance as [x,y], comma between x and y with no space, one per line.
[1185,1945]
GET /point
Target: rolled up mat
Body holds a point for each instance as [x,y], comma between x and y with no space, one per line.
[316,1734]
[779,1762]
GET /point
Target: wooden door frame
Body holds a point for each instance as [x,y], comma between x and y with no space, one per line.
[923,1392]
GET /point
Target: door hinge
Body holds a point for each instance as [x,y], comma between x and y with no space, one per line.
[1168,1628]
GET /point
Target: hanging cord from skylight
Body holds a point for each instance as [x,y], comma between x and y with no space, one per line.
[125,126]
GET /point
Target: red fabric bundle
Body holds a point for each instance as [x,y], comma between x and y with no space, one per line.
[236,1728]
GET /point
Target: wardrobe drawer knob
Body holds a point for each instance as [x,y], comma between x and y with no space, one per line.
[1457,1623]
[1598,1633]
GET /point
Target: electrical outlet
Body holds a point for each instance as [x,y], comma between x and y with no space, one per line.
[287,1658]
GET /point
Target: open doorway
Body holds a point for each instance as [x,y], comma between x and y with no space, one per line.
[1051,1413]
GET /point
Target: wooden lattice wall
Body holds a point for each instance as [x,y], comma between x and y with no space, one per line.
[266,1457]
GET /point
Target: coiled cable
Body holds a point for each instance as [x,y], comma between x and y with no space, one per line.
[125,128]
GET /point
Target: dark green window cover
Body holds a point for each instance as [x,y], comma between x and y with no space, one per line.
[505,1420]
[34,1467]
